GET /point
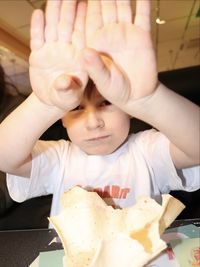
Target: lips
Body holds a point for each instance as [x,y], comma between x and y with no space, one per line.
[98,138]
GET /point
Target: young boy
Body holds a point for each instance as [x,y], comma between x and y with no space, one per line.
[98,40]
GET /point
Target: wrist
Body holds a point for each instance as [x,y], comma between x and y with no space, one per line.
[159,108]
[46,110]
[146,106]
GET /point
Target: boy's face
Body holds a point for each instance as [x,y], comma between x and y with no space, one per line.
[96,126]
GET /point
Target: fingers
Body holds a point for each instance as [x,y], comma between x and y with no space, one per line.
[142,17]
[52,15]
[103,12]
[67,18]
[78,37]
[124,11]
[109,11]
[94,17]
[37,30]
[65,21]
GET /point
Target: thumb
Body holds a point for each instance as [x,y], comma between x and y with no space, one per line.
[66,82]
[97,67]
[66,92]
[107,76]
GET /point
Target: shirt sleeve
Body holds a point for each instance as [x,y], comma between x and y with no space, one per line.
[45,172]
[165,177]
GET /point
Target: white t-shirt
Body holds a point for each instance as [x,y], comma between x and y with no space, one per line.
[141,166]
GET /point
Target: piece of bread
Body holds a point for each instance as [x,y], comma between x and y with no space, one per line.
[96,235]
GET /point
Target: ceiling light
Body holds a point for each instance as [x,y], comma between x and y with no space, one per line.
[159,21]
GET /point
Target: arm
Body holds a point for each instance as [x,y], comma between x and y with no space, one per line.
[57,79]
[19,132]
[122,63]
[178,119]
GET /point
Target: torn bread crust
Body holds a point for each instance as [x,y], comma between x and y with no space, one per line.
[96,235]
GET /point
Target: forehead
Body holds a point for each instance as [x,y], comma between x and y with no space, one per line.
[91,91]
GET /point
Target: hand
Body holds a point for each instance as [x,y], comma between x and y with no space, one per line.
[56,74]
[126,70]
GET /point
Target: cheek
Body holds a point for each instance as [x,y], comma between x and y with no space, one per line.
[73,128]
[70,119]
[73,131]
[121,123]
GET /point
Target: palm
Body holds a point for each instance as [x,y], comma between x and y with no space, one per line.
[51,61]
[129,46]
[56,74]
[134,50]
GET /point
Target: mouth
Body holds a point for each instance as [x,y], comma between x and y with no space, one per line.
[98,138]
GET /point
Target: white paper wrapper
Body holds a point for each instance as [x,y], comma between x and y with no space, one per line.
[96,235]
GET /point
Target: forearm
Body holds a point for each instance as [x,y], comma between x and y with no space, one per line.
[21,129]
[174,116]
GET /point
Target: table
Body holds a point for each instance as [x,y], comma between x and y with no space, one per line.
[19,248]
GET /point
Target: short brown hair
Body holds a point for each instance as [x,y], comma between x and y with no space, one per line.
[89,89]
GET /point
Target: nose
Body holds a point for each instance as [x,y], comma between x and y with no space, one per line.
[94,120]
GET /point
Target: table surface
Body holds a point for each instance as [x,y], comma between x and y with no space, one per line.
[19,248]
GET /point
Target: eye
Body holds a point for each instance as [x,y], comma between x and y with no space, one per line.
[105,103]
[78,108]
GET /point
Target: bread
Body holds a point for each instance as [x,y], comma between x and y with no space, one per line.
[96,235]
